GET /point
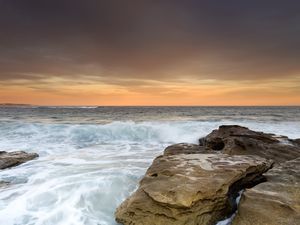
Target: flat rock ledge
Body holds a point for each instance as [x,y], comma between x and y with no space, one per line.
[190,189]
[198,184]
[11,159]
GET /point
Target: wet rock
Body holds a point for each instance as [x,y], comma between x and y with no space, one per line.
[237,140]
[10,159]
[4,184]
[184,148]
[297,141]
[275,202]
[190,189]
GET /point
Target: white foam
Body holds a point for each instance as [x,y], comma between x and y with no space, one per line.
[228,221]
[86,170]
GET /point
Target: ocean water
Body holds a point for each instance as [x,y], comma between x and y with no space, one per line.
[91,158]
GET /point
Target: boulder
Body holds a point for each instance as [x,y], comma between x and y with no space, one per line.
[237,140]
[275,202]
[10,159]
[190,189]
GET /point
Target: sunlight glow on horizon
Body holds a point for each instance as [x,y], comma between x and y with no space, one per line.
[186,92]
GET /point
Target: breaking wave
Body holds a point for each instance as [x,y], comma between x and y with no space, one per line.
[86,170]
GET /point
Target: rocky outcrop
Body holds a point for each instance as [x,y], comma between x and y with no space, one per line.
[10,159]
[190,188]
[197,184]
[237,140]
[275,202]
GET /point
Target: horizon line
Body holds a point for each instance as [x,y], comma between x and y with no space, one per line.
[39,105]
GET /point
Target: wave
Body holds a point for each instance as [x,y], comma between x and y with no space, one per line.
[87,134]
[26,136]
[81,165]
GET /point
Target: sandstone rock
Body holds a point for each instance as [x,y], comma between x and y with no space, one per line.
[237,140]
[197,184]
[190,189]
[184,148]
[10,159]
[275,202]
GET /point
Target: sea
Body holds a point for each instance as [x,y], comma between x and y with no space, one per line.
[92,158]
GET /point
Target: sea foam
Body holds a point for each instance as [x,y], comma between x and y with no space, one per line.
[85,170]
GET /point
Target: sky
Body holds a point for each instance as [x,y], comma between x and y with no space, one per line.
[150,52]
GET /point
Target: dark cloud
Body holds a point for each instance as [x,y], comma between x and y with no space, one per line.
[150,39]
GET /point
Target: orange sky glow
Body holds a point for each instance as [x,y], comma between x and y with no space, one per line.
[150,52]
[206,92]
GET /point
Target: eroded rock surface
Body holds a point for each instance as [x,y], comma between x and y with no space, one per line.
[10,159]
[275,202]
[184,148]
[190,189]
[237,140]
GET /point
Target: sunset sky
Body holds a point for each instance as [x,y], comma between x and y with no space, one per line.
[138,52]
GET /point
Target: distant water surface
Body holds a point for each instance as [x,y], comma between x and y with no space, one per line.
[91,158]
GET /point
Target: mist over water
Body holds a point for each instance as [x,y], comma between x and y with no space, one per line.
[91,158]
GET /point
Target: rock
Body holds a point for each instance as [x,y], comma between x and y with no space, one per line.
[183,148]
[190,188]
[275,202]
[198,184]
[237,140]
[10,159]
[4,184]
[297,141]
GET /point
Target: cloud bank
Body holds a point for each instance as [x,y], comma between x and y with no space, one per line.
[133,44]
